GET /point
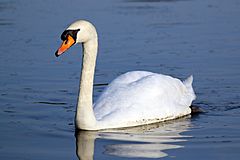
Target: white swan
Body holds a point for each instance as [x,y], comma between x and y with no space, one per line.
[132,99]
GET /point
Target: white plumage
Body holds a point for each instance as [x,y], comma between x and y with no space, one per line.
[141,97]
[134,98]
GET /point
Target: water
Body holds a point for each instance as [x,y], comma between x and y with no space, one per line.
[38,92]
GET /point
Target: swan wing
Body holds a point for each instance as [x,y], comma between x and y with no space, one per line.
[141,96]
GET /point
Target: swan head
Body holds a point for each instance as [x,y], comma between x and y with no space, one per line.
[80,31]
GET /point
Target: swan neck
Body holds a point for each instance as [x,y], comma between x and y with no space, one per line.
[85,118]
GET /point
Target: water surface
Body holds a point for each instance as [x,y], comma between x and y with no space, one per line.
[38,92]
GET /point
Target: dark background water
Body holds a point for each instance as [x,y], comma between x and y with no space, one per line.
[38,93]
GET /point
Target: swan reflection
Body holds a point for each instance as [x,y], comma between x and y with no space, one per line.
[149,141]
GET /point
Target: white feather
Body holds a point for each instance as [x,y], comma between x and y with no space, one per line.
[134,98]
[140,97]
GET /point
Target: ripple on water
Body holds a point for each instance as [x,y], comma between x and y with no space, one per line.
[51,103]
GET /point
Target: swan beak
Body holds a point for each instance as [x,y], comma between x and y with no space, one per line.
[65,45]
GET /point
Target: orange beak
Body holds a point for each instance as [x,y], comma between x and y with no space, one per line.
[65,45]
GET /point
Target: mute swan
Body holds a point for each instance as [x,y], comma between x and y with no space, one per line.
[132,99]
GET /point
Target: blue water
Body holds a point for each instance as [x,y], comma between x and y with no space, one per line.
[38,92]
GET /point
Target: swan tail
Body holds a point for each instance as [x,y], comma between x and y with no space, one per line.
[188,85]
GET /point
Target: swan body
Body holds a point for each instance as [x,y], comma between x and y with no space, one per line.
[132,99]
[140,97]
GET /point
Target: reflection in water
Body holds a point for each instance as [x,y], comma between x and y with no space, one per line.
[147,141]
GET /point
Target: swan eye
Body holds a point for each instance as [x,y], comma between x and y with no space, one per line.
[64,35]
[72,33]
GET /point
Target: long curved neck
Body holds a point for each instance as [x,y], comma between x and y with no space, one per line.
[85,118]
